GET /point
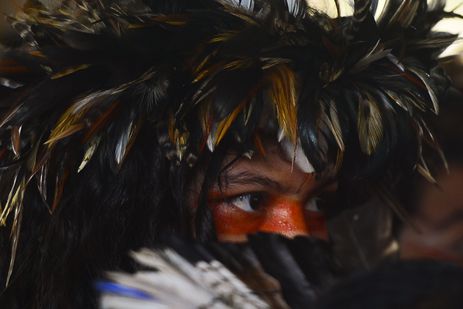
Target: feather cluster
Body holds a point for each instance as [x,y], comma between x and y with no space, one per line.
[269,272]
[92,75]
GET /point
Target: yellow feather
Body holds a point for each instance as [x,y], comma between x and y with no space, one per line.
[177,20]
[71,120]
[225,124]
[423,169]
[66,131]
[181,143]
[222,37]
[16,140]
[238,64]
[202,71]
[69,71]
[283,92]
[369,125]
[205,118]
[37,53]
[203,63]
[335,126]
[249,21]
[9,205]
[93,145]
[16,227]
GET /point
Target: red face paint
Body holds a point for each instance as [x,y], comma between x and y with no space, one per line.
[286,217]
[279,215]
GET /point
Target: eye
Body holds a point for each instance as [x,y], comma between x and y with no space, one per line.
[249,202]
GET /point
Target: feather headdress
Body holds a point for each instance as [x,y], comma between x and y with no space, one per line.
[108,104]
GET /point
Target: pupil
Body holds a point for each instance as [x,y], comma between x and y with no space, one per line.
[254,201]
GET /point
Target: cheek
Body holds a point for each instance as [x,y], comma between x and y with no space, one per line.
[281,216]
[230,220]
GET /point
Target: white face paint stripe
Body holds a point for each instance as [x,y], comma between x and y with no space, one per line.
[296,154]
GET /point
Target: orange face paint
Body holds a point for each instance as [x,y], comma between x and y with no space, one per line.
[230,220]
[285,216]
[279,215]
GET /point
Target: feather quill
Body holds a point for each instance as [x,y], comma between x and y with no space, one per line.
[89,152]
[224,125]
[335,126]
[283,93]
[423,169]
[427,83]
[369,124]
[69,71]
[104,118]
[42,182]
[16,227]
[124,143]
[7,208]
[16,140]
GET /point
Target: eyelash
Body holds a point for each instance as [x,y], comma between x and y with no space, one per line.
[244,201]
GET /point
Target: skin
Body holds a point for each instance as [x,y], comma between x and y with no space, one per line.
[439,219]
[266,194]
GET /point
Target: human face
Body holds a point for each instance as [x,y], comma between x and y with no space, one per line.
[266,193]
[439,219]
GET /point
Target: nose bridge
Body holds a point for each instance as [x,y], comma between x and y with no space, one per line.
[285,216]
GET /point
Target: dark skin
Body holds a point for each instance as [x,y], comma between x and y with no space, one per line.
[266,193]
[439,219]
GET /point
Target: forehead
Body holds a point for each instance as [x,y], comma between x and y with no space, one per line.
[273,164]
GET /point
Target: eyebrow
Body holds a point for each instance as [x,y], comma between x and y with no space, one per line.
[245,178]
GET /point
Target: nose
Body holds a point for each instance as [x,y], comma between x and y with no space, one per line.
[290,218]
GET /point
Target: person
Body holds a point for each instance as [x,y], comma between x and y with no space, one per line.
[435,208]
[266,193]
[124,121]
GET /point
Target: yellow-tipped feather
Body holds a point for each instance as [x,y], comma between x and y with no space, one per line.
[69,71]
[225,124]
[369,125]
[283,93]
